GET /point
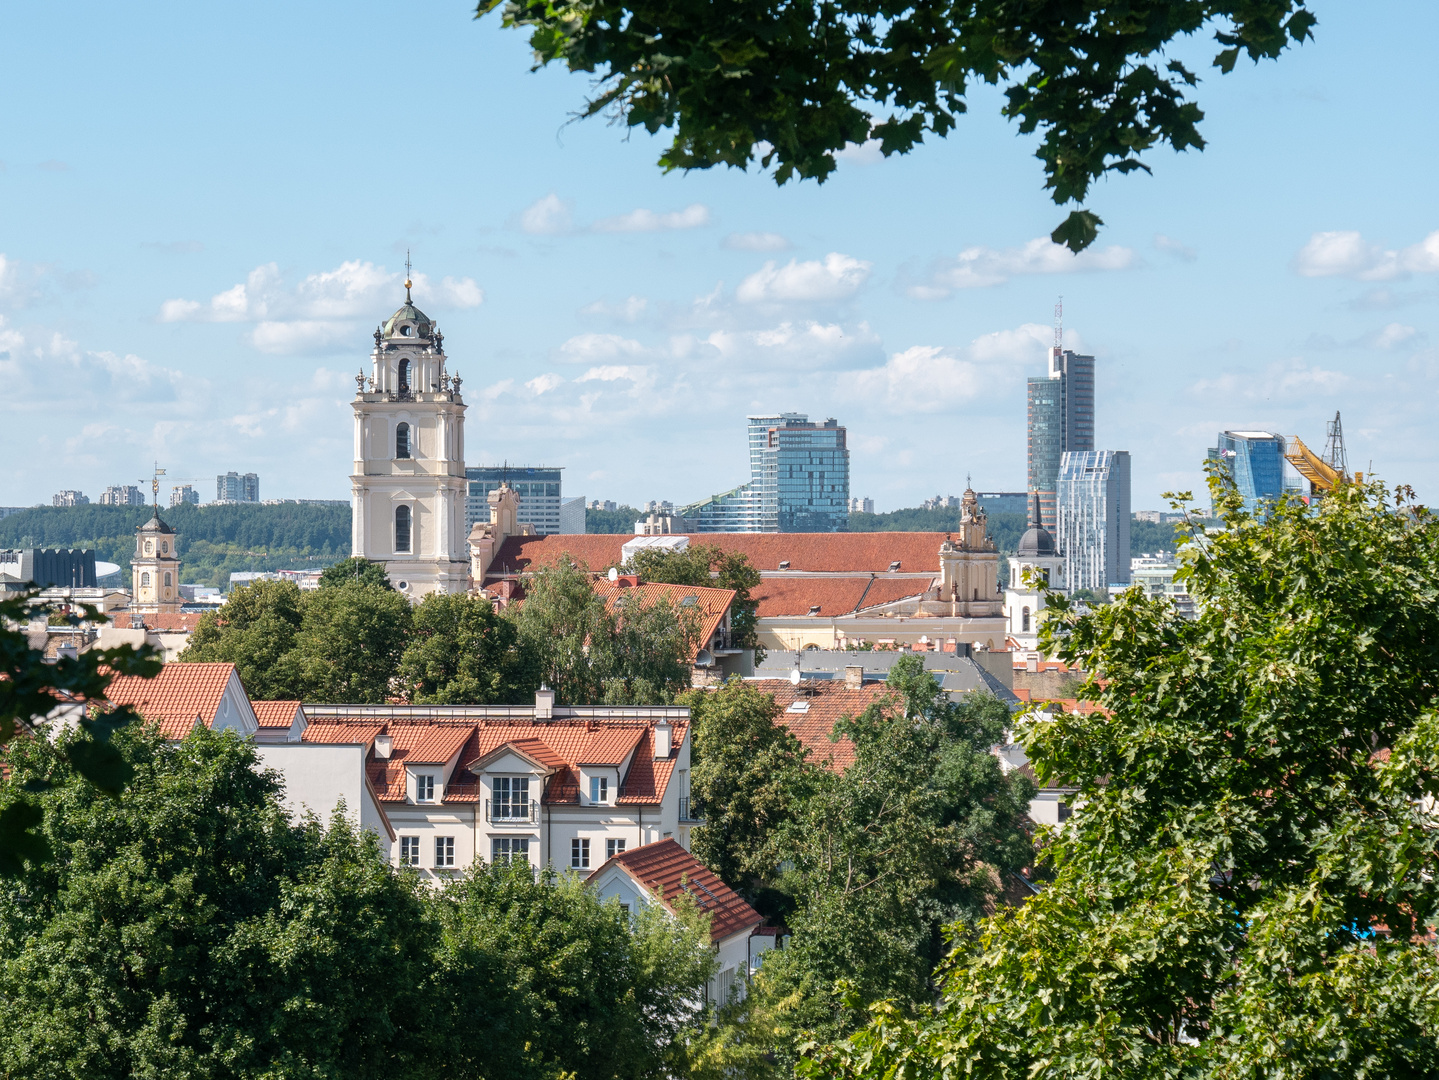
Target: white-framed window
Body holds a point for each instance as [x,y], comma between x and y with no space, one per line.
[444,851]
[512,797]
[402,529]
[505,848]
[145,579]
[425,787]
[409,851]
[402,440]
[167,579]
[613,848]
[579,854]
[599,789]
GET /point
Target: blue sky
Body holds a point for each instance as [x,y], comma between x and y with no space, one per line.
[204,211]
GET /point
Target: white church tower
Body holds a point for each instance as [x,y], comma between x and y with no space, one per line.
[408,486]
[1037,560]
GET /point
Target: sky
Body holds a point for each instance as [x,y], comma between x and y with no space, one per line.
[205,211]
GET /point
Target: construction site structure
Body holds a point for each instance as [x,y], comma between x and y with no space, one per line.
[1327,472]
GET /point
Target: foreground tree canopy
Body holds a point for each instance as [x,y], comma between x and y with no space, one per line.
[1250,884]
[793,83]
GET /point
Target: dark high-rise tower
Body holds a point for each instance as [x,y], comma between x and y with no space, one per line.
[1061,418]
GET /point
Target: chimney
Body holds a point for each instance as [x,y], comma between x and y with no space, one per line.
[664,740]
[544,703]
[384,746]
[854,676]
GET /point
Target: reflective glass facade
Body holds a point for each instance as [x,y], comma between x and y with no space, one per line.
[1255,461]
[1061,419]
[538,488]
[1092,512]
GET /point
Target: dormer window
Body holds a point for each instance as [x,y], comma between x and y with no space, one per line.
[425,787]
[402,440]
[599,789]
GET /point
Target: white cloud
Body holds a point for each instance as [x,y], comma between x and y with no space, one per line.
[1174,247]
[1291,379]
[756,241]
[1346,253]
[982,267]
[543,384]
[865,153]
[1394,334]
[592,348]
[628,311]
[795,346]
[613,373]
[931,378]
[549,216]
[835,277]
[323,310]
[691,217]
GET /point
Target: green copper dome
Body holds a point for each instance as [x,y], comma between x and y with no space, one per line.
[407,313]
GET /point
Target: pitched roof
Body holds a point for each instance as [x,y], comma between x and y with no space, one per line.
[784,596]
[170,622]
[916,552]
[668,870]
[561,744]
[275,714]
[174,698]
[826,702]
[712,603]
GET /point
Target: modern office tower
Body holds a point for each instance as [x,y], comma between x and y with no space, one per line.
[1255,461]
[1061,419]
[1092,511]
[122,495]
[799,481]
[184,493]
[538,487]
[1004,502]
[232,487]
[69,497]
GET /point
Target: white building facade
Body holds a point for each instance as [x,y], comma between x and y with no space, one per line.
[1036,566]
[408,484]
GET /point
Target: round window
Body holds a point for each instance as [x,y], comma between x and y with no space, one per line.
[404,586]
[407,331]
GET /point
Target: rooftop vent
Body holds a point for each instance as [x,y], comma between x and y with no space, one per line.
[814,609]
[384,746]
[544,703]
[798,706]
[784,564]
[894,566]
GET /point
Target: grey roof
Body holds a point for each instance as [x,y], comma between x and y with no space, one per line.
[1035,541]
[408,313]
[958,672]
[155,525]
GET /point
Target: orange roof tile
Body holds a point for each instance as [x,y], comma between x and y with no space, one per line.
[342,731]
[168,621]
[827,702]
[173,699]
[609,746]
[275,714]
[832,595]
[668,870]
[916,552]
[712,603]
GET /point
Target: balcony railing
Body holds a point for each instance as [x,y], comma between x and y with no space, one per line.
[686,810]
[510,813]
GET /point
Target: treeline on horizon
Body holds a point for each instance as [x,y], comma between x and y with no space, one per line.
[214,540]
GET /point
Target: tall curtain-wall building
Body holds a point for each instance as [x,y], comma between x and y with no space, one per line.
[799,481]
[1254,460]
[541,492]
[1061,420]
[408,484]
[1092,511]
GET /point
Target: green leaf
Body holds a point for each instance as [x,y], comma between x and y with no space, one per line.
[1078,230]
[101,763]
[19,842]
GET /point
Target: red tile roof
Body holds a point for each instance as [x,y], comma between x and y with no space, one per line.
[275,714]
[712,603]
[827,701]
[561,744]
[609,746]
[175,697]
[668,870]
[784,596]
[916,552]
[168,621]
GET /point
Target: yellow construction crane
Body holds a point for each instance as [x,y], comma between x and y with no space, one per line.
[1327,472]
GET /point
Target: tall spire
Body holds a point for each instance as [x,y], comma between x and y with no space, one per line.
[408,283]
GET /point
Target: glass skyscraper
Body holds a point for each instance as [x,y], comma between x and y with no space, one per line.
[1061,419]
[1092,510]
[1255,461]
[537,486]
[799,481]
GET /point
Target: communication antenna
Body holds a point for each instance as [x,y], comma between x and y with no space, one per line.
[1334,454]
[1059,327]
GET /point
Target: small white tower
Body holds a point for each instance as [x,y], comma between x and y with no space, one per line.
[1024,600]
[408,485]
[155,568]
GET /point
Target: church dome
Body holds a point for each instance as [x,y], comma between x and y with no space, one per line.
[155,524]
[1036,542]
[408,313]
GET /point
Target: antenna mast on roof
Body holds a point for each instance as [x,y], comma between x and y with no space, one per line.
[1334,454]
[1059,327]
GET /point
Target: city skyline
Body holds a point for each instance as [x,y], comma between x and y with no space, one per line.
[194,283]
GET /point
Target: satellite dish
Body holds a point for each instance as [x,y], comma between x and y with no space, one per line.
[105,569]
[794,677]
[704,658]
[614,574]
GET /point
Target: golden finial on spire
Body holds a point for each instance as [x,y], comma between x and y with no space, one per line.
[408,282]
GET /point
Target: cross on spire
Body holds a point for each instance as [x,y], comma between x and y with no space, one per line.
[407,275]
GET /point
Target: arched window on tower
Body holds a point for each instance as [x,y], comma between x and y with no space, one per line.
[402,529]
[167,579]
[145,580]
[402,441]
[1024,621]
[404,376]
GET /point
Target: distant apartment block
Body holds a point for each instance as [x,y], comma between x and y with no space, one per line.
[70,498]
[940,502]
[1092,506]
[1061,420]
[539,488]
[799,481]
[608,505]
[858,505]
[1004,502]
[183,494]
[1158,517]
[1254,460]
[122,495]
[232,487]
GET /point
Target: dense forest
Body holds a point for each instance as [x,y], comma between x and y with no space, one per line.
[213,540]
[612,521]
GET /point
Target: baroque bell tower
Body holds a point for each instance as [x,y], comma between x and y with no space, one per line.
[408,485]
